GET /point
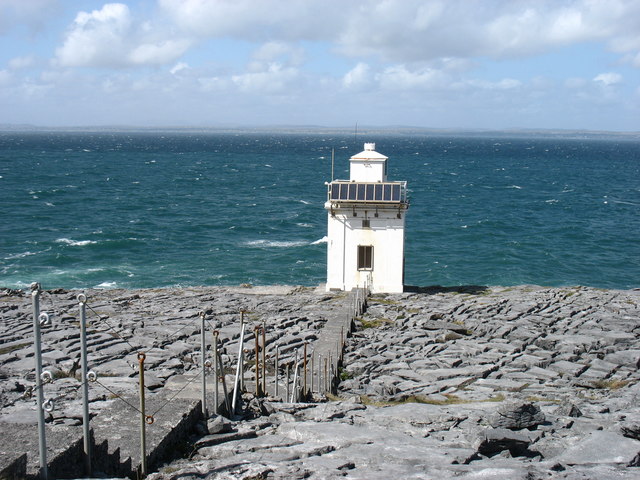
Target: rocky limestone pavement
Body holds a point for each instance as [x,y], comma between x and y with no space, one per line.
[163,323]
[473,382]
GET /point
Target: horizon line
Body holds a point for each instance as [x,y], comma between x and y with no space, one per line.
[9,127]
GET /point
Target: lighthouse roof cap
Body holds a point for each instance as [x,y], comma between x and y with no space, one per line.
[369,153]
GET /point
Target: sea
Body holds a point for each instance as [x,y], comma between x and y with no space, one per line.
[147,209]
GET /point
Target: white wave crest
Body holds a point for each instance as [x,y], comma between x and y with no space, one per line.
[20,255]
[324,239]
[75,243]
[275,243]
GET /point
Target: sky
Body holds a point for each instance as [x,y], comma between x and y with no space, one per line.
[465,64]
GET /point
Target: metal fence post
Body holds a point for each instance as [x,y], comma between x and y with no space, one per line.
[42,440]
[143,418]
[295,393]
[264,358]
[239,372]
[242,326]
[313,353]
[330,376]
[326,374]
[256,330]
[320,389]
[216,371]
[304,363]
[204,370]
[224,387]
[82,299]
[275,374]
[288,382]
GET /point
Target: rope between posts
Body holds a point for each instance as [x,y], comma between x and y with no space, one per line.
[195,377]
[210,325]
[177,331]
[118,396]
[111,327]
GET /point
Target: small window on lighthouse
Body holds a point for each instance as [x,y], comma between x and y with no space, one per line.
[365,257]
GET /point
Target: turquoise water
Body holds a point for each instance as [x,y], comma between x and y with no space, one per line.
[136,210]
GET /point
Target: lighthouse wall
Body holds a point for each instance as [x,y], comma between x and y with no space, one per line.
[385,234]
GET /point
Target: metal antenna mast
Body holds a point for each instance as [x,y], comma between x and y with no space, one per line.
[332,160]
[355,135]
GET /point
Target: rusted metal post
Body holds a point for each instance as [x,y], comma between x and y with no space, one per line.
[216,372]
[312,370]
[330,374]
[304,366]
[227,406]
[203,354]
[256,330]
[288,382]
[276,372]
[326,375]
[143,418]
[264,358]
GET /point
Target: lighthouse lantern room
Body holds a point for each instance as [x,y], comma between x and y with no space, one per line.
[365,238]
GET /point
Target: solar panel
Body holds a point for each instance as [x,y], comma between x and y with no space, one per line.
[367,192]
[352,191]
[395,196]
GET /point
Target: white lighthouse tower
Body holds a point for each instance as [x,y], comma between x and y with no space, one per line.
[366,227]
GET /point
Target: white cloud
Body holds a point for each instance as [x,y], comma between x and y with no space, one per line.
[421,61]
[178,67]
[399,77]
[31,13]
[358,77]
[608,79]
[279,51]
[158,53]
[5,78]
[97,38]
[214,84]
[402,31]
[633,60]
[257,20]
[19,63]
[575,82]
[109,37]
[276,79]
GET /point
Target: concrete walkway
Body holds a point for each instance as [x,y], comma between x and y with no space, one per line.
[324,355]
[328,349]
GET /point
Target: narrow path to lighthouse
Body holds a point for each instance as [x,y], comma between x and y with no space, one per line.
[328,351]
[315,369]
